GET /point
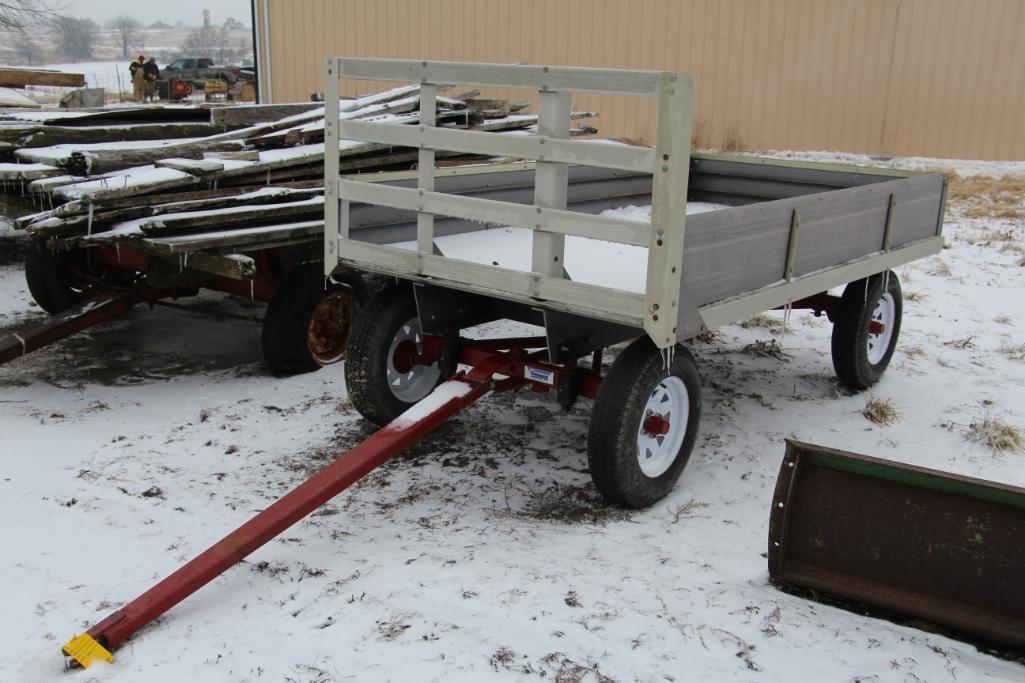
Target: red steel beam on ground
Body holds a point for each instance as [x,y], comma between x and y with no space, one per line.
[448,399]
[99,309]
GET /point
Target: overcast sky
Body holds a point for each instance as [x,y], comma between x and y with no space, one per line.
[172,11]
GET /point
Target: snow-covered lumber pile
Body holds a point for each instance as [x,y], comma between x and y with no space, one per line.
[255,181]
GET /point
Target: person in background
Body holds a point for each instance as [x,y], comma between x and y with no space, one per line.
[151,72]
[136,69]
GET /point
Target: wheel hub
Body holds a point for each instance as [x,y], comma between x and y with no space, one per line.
[880,328]
[408,379]
[330,325]
[404,357]
[663,428]
[655,425]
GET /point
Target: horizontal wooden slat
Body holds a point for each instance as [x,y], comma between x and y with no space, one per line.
[498,213]
[539,147]
[576,297]
[575,79]
[238,239]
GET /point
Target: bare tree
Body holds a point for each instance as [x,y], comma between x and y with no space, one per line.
[215,43]
[26,47]
[17,14]
[128,30]
[76,36]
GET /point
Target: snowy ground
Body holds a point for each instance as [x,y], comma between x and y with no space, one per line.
[482,552]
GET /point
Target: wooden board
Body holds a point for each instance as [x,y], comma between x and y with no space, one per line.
[194,166]
[246,115]
[19,78]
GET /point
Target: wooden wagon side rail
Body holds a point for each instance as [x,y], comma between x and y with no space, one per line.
[656,311]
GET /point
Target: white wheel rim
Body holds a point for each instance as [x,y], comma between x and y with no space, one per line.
[878,342]
[411,386]
[657,452]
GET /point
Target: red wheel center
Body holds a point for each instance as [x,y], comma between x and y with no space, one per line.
[405,355]
[656,425]
[876,327]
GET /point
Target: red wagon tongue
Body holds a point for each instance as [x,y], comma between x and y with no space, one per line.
[456,394]
[486,360]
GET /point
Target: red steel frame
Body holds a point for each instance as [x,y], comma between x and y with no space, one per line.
[110,304]
[260,288]
[496,365]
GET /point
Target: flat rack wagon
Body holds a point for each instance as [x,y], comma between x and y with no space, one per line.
[784,236]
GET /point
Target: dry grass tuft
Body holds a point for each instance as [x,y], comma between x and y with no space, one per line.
[687,510]
[997,434]
[881,411]
[913,351]
[390,630]
[709,337]
[763,321]
[965,343]
[503,656]
[941,269]
[1012,350]
[1004,320]
[912,295]
[766,349]
[985,196]
[951,174]
[1005,235]
[1006,239]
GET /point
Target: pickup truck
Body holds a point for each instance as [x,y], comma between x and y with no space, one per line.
[196,72]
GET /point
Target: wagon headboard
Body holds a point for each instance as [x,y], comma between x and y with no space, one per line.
[658,311]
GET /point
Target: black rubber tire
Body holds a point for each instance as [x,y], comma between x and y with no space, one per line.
[47,274]
[376,326]
[286,324]
[617,416]
[851,330]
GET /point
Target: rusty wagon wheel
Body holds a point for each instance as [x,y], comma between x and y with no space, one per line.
[308,320]
[61,279]
[865,329]
[644,424]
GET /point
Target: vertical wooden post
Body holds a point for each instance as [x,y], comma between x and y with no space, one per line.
[551,183]
[668,209]
[425,167]
[333,210]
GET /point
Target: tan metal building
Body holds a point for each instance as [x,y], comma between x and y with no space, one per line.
[941,78]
